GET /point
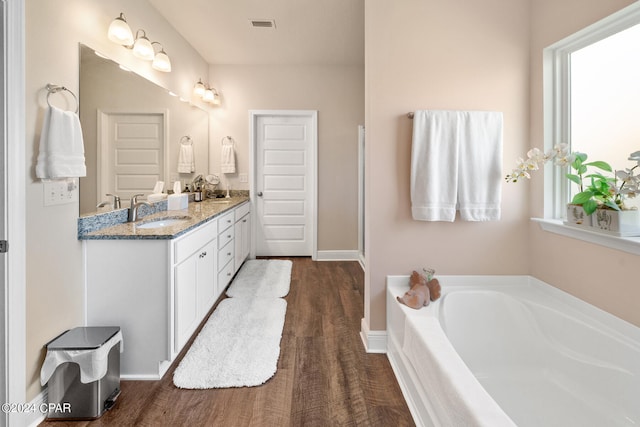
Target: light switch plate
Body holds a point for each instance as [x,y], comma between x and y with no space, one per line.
[60,192]
[243,177]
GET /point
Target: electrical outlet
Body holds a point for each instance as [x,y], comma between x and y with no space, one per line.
[60,192]
[243,177]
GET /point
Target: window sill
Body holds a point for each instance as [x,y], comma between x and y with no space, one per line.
[626,244]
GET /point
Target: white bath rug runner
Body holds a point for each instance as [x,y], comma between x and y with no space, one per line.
[262,278]
[239,345]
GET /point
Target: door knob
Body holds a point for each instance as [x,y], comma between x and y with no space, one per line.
[259,193]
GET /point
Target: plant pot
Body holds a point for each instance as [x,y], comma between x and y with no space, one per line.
[619,223]
[576,216]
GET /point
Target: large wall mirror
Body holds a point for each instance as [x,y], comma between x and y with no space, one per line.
[134,132]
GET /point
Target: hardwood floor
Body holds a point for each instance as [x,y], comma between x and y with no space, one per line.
[324,376]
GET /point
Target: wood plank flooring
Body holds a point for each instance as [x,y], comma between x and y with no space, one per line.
[324,376]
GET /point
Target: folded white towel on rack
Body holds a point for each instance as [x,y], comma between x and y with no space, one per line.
[61,152]
[186,162]
[456,159]
[228,156]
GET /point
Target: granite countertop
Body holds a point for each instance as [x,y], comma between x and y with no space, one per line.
[198,213]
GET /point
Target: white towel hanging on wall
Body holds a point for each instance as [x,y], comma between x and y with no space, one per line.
[228,155]
[456,164]
[61,152]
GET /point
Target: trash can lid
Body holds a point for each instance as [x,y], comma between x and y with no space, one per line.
[83,338]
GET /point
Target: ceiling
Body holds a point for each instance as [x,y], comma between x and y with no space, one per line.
[306,31]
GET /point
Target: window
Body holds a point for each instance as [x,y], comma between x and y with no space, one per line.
[592,102]
[592,98]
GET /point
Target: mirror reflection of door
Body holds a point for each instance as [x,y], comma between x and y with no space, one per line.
[131,152]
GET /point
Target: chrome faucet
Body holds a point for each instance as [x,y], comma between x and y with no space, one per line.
[116,201]
[115,204]
[135,204]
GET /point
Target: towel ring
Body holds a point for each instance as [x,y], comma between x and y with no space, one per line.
[186,140]
[231,140]
[55,89]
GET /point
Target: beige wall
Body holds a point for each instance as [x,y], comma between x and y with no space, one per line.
[428,54]
[337,93]
[55,293]
[604,277]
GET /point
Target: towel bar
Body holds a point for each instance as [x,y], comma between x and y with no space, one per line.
[55,89]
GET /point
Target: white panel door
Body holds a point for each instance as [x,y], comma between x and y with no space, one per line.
[285,184]
[132,154]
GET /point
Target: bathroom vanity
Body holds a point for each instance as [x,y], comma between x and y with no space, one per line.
[158,284]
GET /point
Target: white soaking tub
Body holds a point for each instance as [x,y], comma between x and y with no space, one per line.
[512,350]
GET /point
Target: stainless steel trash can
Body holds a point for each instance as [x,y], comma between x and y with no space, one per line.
[69,397]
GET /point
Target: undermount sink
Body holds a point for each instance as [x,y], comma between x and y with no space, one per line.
[162,222]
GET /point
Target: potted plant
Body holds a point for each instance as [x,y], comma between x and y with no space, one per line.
[611,214]
[598,193]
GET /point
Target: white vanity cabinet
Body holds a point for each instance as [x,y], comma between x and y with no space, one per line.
[195,289]
[226,237]
[157,291]
[242,234]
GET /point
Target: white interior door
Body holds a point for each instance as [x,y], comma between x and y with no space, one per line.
[285,182]
[132,154]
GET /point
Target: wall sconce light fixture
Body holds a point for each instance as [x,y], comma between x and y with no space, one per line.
[120,33]
[208,94]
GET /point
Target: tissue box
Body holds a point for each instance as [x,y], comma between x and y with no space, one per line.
[177,201]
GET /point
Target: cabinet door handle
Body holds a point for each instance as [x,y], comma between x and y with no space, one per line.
[244,220]
[228,253]
[229,236]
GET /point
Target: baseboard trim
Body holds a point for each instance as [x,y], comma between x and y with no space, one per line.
[374,341]
[338,256]
[33,418]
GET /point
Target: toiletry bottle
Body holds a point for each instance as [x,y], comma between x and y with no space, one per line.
[198,195]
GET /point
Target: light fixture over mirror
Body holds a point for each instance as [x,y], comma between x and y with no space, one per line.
[142,47]
[119,32]
[161,61]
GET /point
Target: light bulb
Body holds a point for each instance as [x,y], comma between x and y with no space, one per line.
[199,88]
[161,62]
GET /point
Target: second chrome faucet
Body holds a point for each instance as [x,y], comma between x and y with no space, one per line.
[135,204]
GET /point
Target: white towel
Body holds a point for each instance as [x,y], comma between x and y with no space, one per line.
[228,158]
[456,161]
[61,153]
[186,162]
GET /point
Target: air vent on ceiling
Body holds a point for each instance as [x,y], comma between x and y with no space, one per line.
[263,23]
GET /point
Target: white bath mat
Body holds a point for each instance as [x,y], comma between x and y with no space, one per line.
[239,345]
[262,278]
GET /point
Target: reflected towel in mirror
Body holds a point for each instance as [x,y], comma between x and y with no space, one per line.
[186,162]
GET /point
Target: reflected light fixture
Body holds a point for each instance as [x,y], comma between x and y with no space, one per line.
[161,61]
[208,94]
[199,88]
[119,31]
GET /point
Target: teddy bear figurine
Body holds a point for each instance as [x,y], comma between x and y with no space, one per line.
[422,290]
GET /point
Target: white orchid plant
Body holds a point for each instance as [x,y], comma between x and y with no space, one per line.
[600,191]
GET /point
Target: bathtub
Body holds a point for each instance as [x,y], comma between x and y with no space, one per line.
[512,350]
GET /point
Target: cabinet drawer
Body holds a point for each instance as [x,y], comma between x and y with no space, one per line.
[225,221]
[225,276]
[242,210]
[194,240]
[224,255]
[225,237]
